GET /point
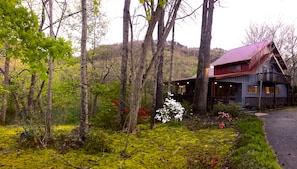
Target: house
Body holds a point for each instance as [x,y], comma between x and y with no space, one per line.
[252,75]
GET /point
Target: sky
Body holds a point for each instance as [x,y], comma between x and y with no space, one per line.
[231,20]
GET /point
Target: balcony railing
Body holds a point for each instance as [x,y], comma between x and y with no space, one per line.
[274,77]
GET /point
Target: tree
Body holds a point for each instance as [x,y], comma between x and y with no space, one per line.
[201,86]
[124,63]
[16,32]
[140,75]
[48,113]
[27,43]
[83,127]
[158,73]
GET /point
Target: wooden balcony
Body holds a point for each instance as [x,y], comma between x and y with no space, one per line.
[273,77]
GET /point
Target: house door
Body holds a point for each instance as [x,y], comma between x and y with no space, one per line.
[238,94]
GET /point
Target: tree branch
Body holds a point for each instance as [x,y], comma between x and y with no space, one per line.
[65,17]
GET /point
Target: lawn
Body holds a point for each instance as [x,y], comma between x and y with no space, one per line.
[163,147]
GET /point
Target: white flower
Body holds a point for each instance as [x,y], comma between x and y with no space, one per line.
[171,109]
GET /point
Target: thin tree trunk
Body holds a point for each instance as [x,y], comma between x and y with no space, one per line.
[122,97]
[5,95]
[84,122]
[140,76]
[158,75]
[30,103]
[48,113]
[201,87]
[171,60]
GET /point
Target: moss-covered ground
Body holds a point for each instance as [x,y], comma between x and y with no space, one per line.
[163,147]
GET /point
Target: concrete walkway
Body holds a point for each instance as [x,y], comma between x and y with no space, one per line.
[281,133]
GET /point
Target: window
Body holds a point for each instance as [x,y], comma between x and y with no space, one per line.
[235,68]
[181,89]
[270,90]
[252,89]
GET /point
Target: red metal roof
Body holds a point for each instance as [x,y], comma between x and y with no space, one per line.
[241,54]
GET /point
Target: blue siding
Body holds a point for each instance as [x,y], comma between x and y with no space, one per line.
[252,80]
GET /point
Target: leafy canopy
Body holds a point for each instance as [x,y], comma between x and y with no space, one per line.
[20,37]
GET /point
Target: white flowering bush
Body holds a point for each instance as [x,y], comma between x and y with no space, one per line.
[171,110]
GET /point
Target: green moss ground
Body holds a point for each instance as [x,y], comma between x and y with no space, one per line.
[164,147]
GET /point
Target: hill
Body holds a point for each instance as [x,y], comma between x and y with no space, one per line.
[108,59]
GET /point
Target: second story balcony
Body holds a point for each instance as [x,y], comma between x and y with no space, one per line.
[274,77]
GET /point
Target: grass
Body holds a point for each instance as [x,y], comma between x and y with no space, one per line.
[168,146]
[164,147]
[251,149]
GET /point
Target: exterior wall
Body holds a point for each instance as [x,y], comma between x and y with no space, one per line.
[231,68]
[252,99]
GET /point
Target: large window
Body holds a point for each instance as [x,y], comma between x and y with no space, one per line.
[253,89]
[270,90]
[235,68]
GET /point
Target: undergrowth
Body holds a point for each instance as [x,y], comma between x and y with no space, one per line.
[167,146]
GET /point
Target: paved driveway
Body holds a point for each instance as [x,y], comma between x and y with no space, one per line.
[281,132]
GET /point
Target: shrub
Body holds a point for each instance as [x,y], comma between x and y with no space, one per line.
[171,109]
[106,116]
[233,109]
[96,142]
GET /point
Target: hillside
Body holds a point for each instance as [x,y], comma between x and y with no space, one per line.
[108,58]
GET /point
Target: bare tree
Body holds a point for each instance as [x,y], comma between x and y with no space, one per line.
[124,63]
[201,86]
[158,73]
[140,75]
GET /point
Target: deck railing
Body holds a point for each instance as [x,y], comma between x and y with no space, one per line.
[274,77]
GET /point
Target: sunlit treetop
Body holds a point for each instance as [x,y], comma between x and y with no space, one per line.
[20,37]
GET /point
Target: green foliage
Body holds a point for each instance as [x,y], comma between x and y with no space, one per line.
[252,150]
[162,3]
[164,147]
[106,115]
[20,37]
[96,142]
[233,109]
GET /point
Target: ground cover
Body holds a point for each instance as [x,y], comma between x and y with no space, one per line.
[251,150]
[167,146]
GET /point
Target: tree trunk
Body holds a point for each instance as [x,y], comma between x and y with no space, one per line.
[48,113]
[30,102]
[201,87]
[158,76]
[122,97]
[5,95]
[83,128]
[140,76]
[171,60]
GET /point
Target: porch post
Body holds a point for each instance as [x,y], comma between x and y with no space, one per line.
[260,94]
[274,95]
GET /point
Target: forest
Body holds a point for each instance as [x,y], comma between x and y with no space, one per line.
[68,101]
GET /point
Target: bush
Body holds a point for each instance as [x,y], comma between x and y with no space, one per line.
[106,116]
[96,142]
[171,110]
[232,109]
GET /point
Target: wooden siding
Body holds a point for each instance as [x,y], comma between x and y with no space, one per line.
[225,69]
[265,101]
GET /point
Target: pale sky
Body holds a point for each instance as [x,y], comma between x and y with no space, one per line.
[230,21]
